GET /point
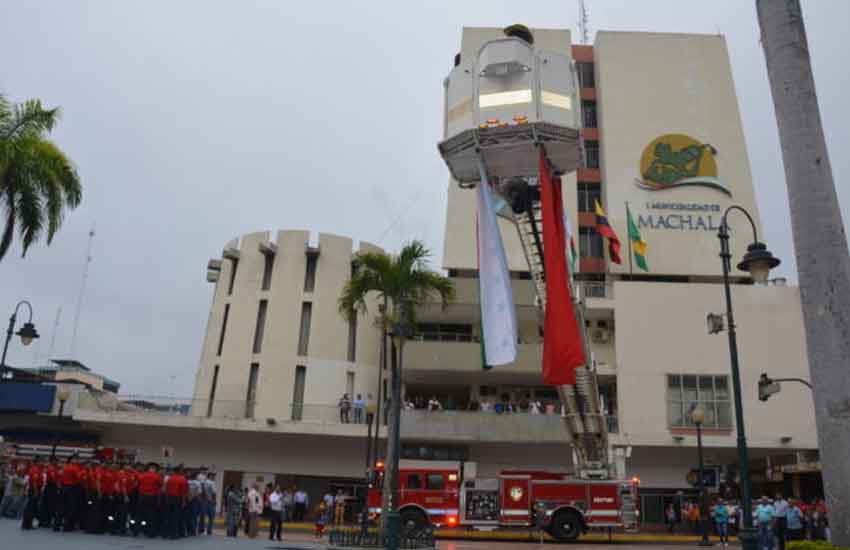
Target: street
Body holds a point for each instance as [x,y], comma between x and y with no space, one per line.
[14,538]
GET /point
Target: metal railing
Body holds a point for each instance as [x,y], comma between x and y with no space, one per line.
[596,289]
[357,538]
[145,405]
[158,405]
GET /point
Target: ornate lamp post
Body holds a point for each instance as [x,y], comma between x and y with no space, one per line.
[758,261]
[698,417]
[26,332]
[62,396]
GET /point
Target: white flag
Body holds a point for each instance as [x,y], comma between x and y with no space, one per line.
[498,313]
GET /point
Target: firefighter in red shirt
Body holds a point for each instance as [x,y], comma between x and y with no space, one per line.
[47,513]
[150,489]
[35,484]
[72,495]
[133,516]
[108,479]
[94,518]
[177,492]
[120,500]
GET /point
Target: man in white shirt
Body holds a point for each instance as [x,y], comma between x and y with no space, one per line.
[255,508]
[276,514]
[301,501]
[780,515]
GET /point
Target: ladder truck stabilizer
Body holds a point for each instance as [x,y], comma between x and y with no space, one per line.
[500,108]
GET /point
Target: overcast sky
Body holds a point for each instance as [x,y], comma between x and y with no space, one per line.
[194,121]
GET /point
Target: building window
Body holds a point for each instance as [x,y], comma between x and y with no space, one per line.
[304,330]
[434,482]
[352,338]
[268,269]
[590,243]
[588,194]
[251,394]
[586,78]
[591,154]
[212,391]
[443,332]
[686,391]
[298,392]
[261,326]
[223,328]
[234,263]
[310,272]
[588,114]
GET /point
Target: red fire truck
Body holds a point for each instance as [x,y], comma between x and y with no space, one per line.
[450,494]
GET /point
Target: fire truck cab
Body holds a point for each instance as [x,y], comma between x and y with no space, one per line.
[450,494]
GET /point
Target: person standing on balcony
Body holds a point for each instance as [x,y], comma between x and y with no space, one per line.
[359,409]
[344,406]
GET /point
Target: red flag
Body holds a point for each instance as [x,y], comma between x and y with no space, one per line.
[562,343]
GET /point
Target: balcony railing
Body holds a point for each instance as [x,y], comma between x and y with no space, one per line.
[147,405]
[594,289]
[473,425]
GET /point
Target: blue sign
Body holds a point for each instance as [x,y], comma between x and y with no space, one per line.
[26,397]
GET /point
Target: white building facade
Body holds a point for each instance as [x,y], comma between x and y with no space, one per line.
[661,133]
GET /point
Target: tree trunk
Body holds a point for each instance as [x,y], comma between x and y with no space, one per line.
[390,489]
[823,262]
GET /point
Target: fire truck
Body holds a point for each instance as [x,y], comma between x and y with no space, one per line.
[452,495]
[507,104]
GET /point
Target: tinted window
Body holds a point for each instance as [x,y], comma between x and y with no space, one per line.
[435,482]
[414,481]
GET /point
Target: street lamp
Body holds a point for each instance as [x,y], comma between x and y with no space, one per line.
[758,261]
[62,396]
[698,417]
[26,332]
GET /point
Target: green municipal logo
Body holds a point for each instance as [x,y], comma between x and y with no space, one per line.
[677,160]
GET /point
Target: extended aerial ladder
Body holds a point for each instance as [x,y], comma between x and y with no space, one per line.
[501,106]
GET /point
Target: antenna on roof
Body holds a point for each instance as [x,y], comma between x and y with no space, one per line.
[82,292]
[582,21]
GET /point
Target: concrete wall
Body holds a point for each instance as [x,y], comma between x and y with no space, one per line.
[649,85]
[326,361]
[661,330]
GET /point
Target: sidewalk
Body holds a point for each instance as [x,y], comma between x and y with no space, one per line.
[521,535]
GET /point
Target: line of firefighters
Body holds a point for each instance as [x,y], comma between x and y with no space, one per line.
[117,498]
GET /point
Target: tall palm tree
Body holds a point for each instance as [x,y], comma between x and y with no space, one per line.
[37,181]
[820,244]
[402,283]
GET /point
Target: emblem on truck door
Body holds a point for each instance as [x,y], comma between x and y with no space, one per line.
[516,494]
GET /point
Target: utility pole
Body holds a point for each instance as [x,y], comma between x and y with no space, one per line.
[820,243]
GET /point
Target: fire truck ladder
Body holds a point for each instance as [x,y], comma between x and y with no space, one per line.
[581,407]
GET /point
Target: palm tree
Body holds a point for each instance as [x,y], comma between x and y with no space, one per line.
[820,244]
[402,283]
[37,181]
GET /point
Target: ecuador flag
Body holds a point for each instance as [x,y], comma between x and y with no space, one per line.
[604,229]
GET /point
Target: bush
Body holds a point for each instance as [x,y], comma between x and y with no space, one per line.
[811,545]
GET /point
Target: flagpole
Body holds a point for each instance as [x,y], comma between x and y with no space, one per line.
[629,238]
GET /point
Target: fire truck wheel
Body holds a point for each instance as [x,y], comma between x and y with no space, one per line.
[413,521]
[566,526]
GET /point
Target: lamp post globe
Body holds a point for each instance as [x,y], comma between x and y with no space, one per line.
[758,261]
[27,333]
[698,415]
